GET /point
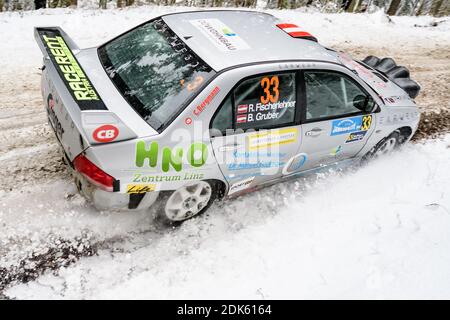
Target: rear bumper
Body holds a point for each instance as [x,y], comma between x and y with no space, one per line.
[104,200]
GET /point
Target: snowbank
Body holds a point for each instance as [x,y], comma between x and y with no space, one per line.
[377,232]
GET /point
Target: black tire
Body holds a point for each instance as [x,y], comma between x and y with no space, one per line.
[162,214]
[386,145]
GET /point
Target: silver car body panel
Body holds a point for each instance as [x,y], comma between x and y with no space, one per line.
[262,48]
[258,38]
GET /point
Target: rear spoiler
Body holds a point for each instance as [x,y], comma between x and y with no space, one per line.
[57,46]
[98,123]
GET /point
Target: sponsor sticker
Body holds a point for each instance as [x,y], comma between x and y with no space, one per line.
[348,125]
[241,185]
[140,188]
[199,109]
[70,71]
[336,150]
[105,133]
[355,136]
[295,163]
[257,165]
[342,126]
[57,126]
[220,35]
[270,138]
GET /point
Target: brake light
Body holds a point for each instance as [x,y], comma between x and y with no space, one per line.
[93,173]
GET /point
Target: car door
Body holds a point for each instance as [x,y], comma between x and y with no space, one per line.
[254,132]
[335,122]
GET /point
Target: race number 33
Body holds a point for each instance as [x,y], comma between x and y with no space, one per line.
[270,88]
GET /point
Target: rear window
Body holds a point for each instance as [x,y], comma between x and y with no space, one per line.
[155,71]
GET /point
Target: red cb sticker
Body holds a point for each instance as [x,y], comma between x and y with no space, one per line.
[106,133]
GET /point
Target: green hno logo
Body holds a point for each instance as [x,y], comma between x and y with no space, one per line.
[196,155]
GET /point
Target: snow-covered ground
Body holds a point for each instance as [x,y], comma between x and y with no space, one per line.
[377,232]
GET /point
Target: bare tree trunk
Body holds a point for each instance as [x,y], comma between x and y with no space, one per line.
[393,7]
[282,4]
[419,10]
[354,6]
[436,7]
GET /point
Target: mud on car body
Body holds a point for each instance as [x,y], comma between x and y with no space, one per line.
[192,106]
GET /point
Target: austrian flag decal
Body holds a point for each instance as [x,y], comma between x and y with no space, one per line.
[242,108]
[241,119]
[295,31]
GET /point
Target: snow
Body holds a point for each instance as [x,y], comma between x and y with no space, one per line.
[376,232]
[93,27]
[380,231]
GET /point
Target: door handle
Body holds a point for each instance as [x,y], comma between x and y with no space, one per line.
[313,132]
[231,146]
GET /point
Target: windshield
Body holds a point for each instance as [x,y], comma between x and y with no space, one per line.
[155,71]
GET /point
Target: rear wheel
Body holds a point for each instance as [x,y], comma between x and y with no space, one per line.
[184,203]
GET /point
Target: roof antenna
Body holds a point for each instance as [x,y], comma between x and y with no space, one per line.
[187,37]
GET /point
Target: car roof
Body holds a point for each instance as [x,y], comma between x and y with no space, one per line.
[228,38]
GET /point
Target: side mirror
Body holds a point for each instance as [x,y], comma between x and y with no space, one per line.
[363,103]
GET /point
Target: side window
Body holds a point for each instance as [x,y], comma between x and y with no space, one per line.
[260,102]
[223,119]
[265,101]
[330,94]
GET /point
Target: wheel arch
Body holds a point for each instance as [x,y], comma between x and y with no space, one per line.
[405,133]
[220,185]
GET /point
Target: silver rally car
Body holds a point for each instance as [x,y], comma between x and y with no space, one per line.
[190,107]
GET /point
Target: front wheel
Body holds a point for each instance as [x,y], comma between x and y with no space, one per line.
[184,203]
[385,146]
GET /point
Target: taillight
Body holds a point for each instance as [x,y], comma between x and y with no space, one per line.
[93,173]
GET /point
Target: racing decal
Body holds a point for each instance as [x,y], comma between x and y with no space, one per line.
[192,85]
[196,156]
[355,136]
[349,125]
[105,133]
[270,87]
[140,188]
[395,99]
[366,122]
[398,117]
[295,31]
[295,163]
[220,35]
[241,185]
[145,178]
[68,68]
[257,165]
[335,151]
[264,101]
[199,109]
[266,139]
[59,130]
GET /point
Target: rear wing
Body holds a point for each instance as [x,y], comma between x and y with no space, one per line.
[78,96]
[57,46]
